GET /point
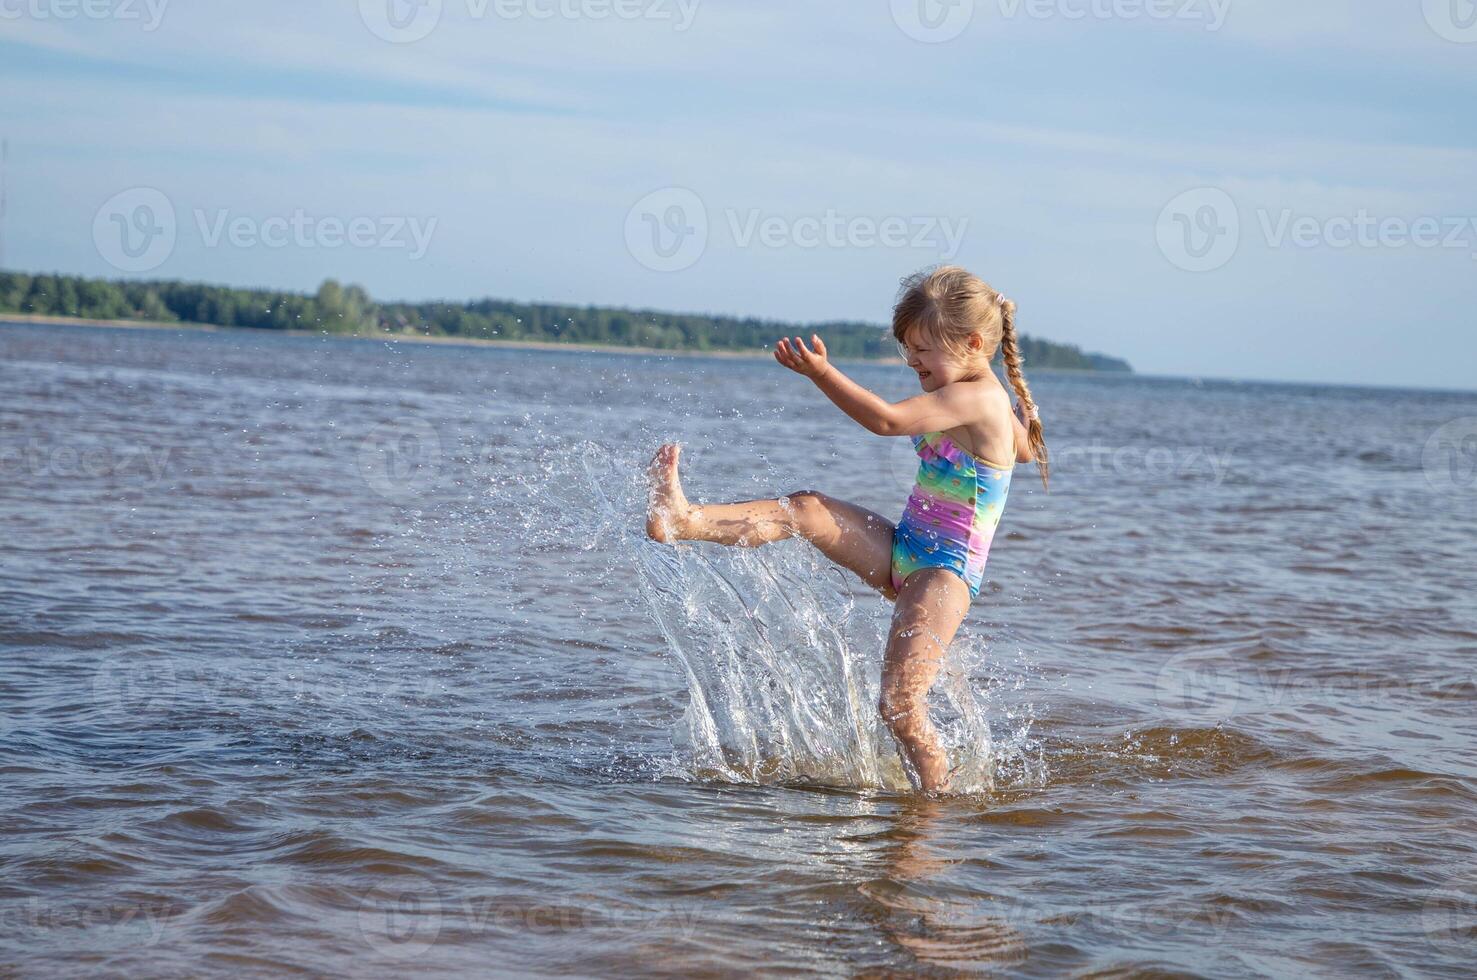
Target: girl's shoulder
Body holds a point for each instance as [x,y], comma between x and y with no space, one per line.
[987,432]
[988,393]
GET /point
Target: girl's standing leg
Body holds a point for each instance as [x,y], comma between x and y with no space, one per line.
[851,536]
[930,606]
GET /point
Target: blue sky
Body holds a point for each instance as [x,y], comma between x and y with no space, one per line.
[1180,182]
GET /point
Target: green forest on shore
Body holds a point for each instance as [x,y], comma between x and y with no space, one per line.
[349,310]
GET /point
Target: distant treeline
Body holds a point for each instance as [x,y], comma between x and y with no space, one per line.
[350,310]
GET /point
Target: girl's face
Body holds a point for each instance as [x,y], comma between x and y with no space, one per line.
[933,367]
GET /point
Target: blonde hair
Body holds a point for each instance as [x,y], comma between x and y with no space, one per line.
[949,305]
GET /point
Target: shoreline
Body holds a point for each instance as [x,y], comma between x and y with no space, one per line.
[78,321]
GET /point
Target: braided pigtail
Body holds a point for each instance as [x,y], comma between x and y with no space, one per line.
[1010,353]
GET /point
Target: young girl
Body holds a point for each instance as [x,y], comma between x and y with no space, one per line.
[948,324]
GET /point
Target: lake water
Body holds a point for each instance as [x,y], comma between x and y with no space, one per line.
[344,657]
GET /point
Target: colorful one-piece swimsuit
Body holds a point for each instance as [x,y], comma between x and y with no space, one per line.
[951,515]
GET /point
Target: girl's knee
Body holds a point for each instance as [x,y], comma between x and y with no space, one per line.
[810,514]
[900,706]
[807,503]
[917,646]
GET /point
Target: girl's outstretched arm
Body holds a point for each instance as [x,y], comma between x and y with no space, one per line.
[946,408]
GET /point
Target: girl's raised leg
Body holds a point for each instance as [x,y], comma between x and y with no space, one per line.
[930,606]
[851,536]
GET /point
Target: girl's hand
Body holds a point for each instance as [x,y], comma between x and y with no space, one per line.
[801,359]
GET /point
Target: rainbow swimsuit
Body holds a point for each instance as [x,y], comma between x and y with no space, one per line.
[951,515]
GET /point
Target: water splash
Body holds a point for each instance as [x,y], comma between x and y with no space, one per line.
[782,662]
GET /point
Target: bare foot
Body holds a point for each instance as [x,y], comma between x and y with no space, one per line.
[947,786]
[666,511]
